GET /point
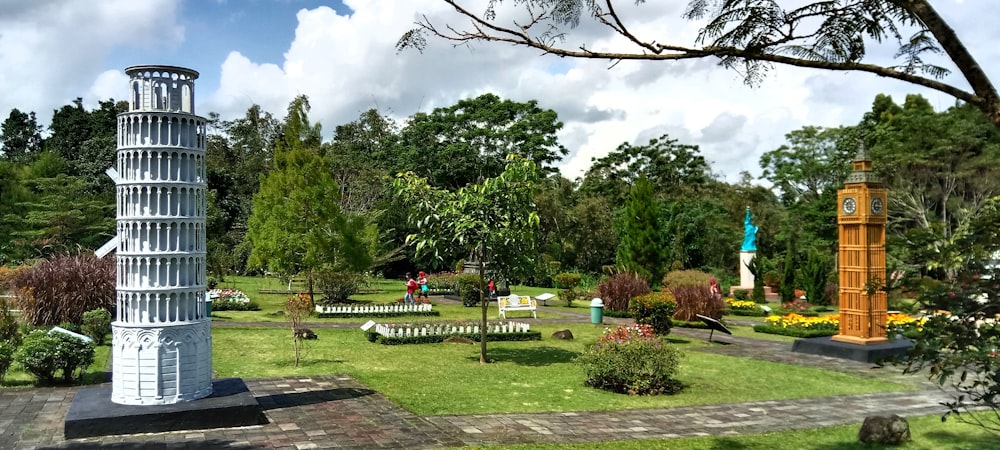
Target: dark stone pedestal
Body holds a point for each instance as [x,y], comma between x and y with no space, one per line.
[871,353]
[231,404]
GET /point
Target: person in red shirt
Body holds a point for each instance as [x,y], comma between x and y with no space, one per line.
[491,287]
[411,287]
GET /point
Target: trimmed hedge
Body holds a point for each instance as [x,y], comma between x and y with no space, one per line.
[793,332]
[746,312]
[381,314]
[234,306]
[433,339]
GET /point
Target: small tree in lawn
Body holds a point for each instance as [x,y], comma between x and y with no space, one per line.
[298,308]
[494,221]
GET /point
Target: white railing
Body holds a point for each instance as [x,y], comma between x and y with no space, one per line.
[373,309]
[434,330]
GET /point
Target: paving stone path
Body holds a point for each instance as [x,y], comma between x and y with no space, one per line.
[338,412]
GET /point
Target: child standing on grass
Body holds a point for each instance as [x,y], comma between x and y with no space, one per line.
[422,281]
[411,287]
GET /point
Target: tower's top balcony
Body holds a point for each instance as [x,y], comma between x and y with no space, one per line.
[161,88]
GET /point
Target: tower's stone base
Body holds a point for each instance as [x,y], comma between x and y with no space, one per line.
[231,404]
[870,353]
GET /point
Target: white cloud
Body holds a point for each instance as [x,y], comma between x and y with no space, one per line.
[53,50]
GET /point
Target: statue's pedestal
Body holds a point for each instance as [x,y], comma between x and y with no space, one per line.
[746,277]
[93,414]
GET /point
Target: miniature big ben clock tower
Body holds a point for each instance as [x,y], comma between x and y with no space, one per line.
[861,220]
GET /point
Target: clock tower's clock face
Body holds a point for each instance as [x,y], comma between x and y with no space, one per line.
[877,206]
[850,205]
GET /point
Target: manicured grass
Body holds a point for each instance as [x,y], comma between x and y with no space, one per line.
[533,376]
[927,433]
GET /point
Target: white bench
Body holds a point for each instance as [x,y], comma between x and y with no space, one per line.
[516,303]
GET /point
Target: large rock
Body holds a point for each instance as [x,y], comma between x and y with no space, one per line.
[563,334]
[892,430]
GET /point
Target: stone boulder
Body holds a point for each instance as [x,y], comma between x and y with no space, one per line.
[890,430]
[459,340]
[563,334]
[305,333]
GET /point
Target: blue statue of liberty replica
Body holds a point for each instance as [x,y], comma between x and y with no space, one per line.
[749,234]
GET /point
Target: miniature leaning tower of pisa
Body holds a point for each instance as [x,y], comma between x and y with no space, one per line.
[162,341]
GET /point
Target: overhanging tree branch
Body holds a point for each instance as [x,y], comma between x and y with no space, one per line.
[827,35]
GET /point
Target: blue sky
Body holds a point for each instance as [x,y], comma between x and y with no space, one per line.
[342,55]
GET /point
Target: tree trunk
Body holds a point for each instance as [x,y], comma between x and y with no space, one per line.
[989,100]
[485,306]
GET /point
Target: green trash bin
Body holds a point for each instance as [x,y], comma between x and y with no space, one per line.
[208,304]
[597,311]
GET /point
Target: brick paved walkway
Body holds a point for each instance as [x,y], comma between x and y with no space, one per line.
[337,412]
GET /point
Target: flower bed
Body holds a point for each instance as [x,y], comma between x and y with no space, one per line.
[231,300]
[393,334]
[384,310]
[798,325]
[744,308]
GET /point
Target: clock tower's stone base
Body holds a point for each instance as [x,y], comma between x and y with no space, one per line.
[870,353]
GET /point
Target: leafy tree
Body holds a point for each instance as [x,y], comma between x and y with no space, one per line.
[296,225]
[56,212]
[698,233]
[814,161]
[494,221]
[941,168]
[748,35]
[667,164]
[815,277]
[960,348]
[807,171]
[21,137]
[237,157]
[469,141]
[591,234]
[553,203]
[641,246]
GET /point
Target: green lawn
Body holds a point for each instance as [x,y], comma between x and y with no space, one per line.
[534,376]
[927,433]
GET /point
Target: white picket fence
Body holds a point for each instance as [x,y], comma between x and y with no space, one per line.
[394,331]
[373,309]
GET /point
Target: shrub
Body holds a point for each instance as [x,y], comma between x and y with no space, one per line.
[43,354]
[685,278]
[617,290]
[10,330]
[772,279]
[7,275]
[97,324]
[815,276]
[631,360]
[567,280]
[211,283]
[468,288]
[70,326]
[567,296]
[226,305]
[62,288]
[756,267]
[7,350]
[741,294]
[338,287]
[654,309]
[441,282]
[693,300]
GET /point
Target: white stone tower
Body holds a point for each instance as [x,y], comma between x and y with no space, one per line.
[162,345]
